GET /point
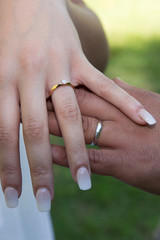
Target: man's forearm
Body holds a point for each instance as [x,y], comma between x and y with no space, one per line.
[90,32]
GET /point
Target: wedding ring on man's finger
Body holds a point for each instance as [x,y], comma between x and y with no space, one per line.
[97,133]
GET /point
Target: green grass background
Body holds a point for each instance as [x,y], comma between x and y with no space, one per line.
[112,210]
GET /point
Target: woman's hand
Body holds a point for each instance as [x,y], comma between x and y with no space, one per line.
[128,152]
[39,47]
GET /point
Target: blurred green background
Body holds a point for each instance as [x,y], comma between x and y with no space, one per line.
[112,210]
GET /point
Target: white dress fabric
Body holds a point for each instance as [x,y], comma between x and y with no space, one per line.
[24,222]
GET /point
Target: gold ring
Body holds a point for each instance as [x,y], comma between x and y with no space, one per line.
[63,83]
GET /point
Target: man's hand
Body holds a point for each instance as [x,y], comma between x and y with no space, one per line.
[128,152]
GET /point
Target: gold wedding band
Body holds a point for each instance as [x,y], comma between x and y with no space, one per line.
[63,83]
[97,133]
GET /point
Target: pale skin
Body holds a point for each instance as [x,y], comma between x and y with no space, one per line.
[39,47]
[128,152]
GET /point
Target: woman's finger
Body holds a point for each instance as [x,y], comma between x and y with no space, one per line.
[70,122]
[36,137]
[110,91]
[10,172]
[90,105]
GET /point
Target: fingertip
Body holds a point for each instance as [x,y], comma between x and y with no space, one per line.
[144,116]
[11,197]
[147,117]
[83,178]
[43,200]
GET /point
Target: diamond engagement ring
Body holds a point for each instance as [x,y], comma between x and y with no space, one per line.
[63,83]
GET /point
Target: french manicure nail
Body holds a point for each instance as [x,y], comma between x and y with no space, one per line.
[147,117]
[11,197]
[43,199]
[83,179]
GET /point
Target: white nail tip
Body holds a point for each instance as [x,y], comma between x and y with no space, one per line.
[147,117]
[11,197]
[43,199]
[83,179]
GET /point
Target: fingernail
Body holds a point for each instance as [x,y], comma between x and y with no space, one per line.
[83,179]
[147,117]
[43,199]
[11,197]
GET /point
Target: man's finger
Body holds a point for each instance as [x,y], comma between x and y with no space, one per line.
[109,129]
[92,105]
[104,162]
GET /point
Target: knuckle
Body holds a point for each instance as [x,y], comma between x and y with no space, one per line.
[31,58]
[105,163]
[69,111]
[6,135]
[32,129]
[95,156]
[9,170]
[40,171]
[10,175]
